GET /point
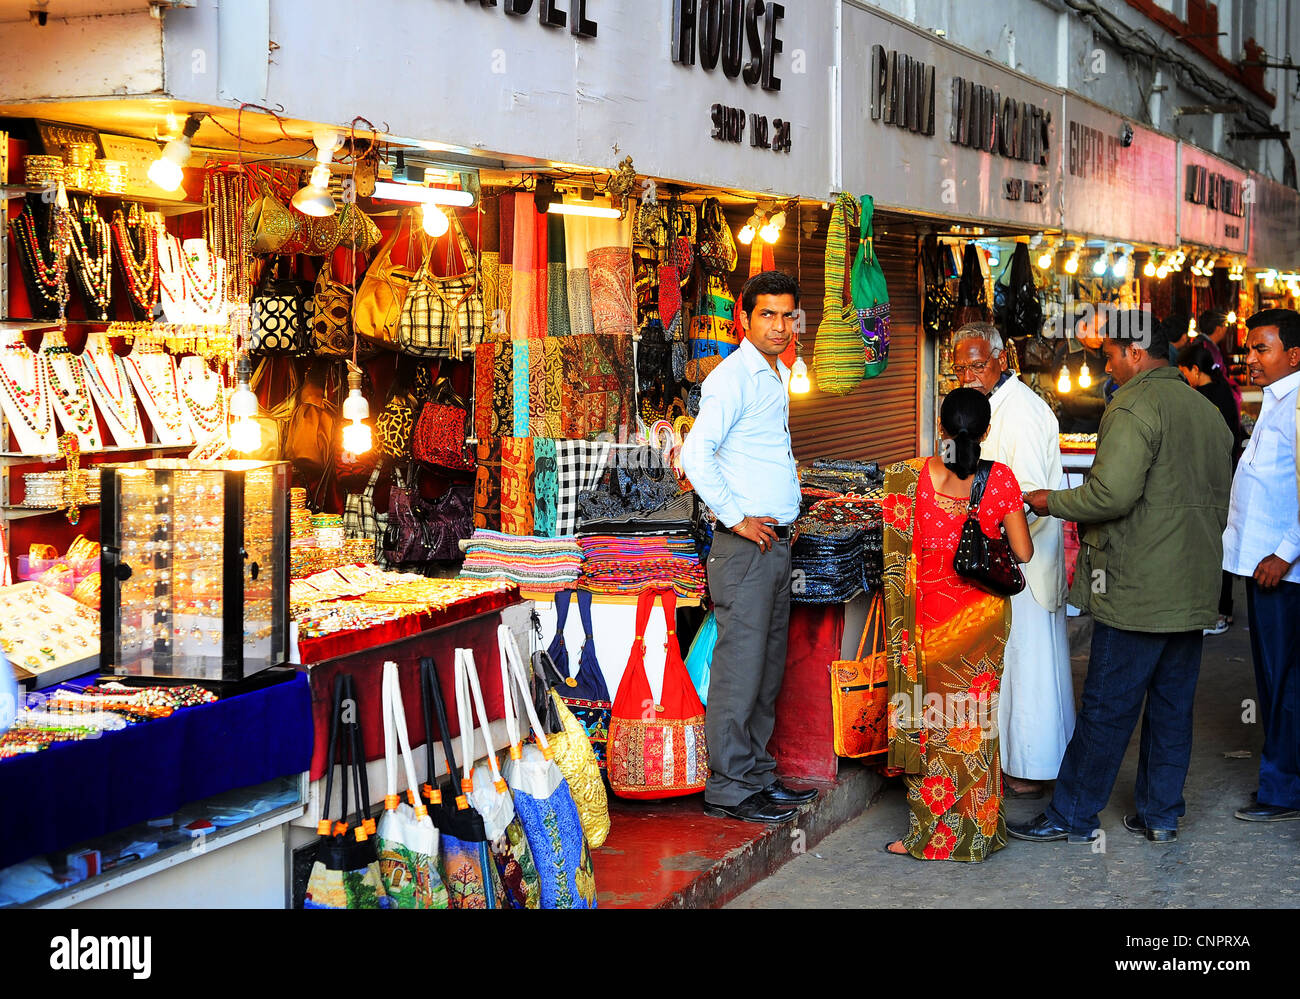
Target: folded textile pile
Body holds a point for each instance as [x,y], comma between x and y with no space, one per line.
[862,478]
[839,550]
[627,564]
[543,564]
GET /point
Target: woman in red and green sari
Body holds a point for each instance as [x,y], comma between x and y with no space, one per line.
[946,640]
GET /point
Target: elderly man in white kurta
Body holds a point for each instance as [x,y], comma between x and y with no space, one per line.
[1036,701]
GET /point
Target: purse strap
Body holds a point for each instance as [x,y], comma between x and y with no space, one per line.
[325,826]
[431,701]
[360,777]
[512,666]
[395,725]
[874,625]
[977,487]
[467,680]
[837,252]
[445,393]
[584,612]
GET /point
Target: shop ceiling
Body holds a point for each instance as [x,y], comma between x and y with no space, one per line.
[31,10]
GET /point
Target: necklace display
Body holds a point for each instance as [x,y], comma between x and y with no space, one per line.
[44,275]
[154,377]
[198,381]
[171,280]
[67,382]
[93,256]
[140,272]
[29,410]
[113,394]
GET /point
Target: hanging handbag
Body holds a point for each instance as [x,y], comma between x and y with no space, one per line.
[657,748]
[345,873]
[711,332]
[584,693]
[310,437]
[1017,308]
[699,658]
[650,225]
[543,803]
[273,423]
[716,246]
[939,305]
[443,316]
[280,309]
[361,521]
[471,877]
[357,231]
[331,318]
[972,297]
[871,297]
[270,224]
[407,838]
[986,562]
[421,530]
[440,433]
[860,692]
[490,795]
[377,307]
[574,757]
[839,353]
[395,424]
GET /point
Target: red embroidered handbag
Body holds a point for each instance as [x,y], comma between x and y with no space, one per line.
[656,749]
[440,433]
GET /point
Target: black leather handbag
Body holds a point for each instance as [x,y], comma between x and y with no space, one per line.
[938,308]
[281,315]
[986,562]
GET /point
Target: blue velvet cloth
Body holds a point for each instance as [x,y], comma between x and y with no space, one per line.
[75,791]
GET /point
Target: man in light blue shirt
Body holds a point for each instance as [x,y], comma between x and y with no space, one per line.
[739,460]
[1262,544]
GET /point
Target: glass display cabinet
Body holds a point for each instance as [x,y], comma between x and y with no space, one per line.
[195,569]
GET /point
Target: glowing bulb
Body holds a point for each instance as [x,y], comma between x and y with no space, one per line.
[769,233]
[1045,260]
[356,438]
[800,384]
[165,173]
[1085,376]
[1063,382]
[245,435]
[434,220]
[1099,267]
[746,234]
[1162,272]
[1150,269]
[1232,319]
[1120,268]
[1072,264]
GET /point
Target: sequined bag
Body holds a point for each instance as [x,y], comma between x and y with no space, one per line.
[665,756]
[716,246]
[440,432]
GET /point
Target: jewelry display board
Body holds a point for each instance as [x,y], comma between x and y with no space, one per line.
[48,634]
[110,386]
[28,411]
[70,393]
[154,378]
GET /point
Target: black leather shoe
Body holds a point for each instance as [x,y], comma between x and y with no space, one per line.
[779,794]
[755,808]
[1267,813]
[1040,829]
[1134,825]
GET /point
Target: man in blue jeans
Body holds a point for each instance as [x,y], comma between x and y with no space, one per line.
[1151,517]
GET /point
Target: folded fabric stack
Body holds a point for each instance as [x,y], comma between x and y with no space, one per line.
[628,564]
[536,564]
[827,562]
[861,478]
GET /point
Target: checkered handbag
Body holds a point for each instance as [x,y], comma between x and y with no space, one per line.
[280,311]
[360,521]
[442,316]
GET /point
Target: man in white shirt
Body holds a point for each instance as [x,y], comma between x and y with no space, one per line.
[739,460]
[1036,698]
[1262,544]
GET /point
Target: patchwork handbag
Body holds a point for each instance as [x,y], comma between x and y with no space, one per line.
[407,838]
[440,432]
[584,693]
[657,748]
[871,296]
[490,796]
[712,333]
[860,692]
[280,315]
[839,354]
[443,316]
[345,873]
[377,308]
[543,803]
[715,245]
[471,877]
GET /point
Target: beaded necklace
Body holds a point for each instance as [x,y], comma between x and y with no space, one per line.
[171,280]
[207,417]
[114,400]
[75,401]
[165,396]
[34,406]
[45,275]
[208,292]
[141,274]
[91,249]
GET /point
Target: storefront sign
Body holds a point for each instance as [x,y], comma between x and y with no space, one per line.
[550,13]
[729,126]
[970,139]
[1274,223]
[1212,204]
[720,30]
[1120,180]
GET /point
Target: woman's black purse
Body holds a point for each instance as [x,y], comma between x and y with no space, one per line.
[986,562]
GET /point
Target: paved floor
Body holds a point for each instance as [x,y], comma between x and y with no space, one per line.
[1219,861]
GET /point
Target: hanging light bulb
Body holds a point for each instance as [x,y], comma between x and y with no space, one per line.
[746,234]
[168,170]
[1162,272]
[1120,267]
[1150,269]
[245,434]
[1063,382]
[315,199]
[1231,318]
[770,230]
[356,435]
[800,384]
[1085,376]
[434,220]
[1045,259]
[1072,264]
[1100,264]
[1270,279]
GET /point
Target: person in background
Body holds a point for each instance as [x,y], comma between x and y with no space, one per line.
[1151,515]
[942,695]
[1036,697]
[1213,327]
[1178,331]
[738,457]
[1262,544]
[1196,362]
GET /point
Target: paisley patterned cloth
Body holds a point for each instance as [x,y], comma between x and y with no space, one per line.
[581,322]
[537,387]
[503,390]
[557,279]
[553,388]
[612,307]
[597,386]
[546,487]
[487,486]
[517,503]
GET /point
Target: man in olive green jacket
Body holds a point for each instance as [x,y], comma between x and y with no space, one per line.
[1151,515]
